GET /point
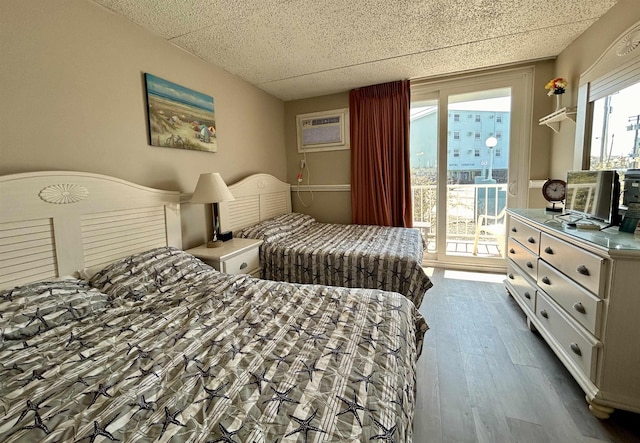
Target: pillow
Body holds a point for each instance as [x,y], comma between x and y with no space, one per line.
[148,272]
[294,220]
[36,307]
[276,227]
[87,273]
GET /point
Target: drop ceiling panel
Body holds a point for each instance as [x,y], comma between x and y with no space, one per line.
[287,47]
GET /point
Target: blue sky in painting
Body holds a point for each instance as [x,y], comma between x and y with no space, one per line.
[166,89]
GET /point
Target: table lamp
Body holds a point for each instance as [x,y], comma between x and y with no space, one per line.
[212,189]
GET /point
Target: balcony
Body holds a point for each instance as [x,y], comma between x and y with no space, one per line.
[465,204]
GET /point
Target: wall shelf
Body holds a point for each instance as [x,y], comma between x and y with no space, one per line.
[553,120]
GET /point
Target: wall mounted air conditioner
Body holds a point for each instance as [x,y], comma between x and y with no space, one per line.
[323,131]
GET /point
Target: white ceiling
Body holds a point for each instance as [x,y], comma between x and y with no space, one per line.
[305,48]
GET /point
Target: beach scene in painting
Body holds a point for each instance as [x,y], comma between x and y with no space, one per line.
[180,117]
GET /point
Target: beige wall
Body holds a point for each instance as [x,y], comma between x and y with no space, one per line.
[577,58]
[333,167]
[72,98]
[324,168]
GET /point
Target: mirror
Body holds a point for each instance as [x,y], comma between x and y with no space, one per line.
[615,130]
[608,113]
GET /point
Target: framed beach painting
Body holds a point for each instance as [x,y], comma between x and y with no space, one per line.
[179,117]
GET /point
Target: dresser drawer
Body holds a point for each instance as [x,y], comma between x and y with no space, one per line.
[526,235]
[580,265]
[578,302]
[244,263]
[576,345]
[523,290]
[523,257]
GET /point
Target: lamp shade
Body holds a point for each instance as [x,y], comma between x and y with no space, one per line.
[211,189]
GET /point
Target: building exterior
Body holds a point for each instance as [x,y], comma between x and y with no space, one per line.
[468,157]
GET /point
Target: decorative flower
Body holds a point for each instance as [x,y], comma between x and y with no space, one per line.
[556,86]
[63,193]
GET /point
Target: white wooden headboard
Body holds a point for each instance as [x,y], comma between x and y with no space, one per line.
[55,223]
[257,197]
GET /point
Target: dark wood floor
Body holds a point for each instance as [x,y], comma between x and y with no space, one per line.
[484,377]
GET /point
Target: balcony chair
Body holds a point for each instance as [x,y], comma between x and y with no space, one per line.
[493,225]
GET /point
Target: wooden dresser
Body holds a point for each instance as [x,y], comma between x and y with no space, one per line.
[580,289]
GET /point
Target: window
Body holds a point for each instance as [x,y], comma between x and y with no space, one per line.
[616,118]
[477,135]
[456,135]
[486,95]
[499,118]
[456,117]
[477,118]
[498,152]
[498,135]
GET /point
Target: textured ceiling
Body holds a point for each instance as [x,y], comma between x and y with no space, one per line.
[304,48]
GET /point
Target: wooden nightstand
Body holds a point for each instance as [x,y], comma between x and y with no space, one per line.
[236,256]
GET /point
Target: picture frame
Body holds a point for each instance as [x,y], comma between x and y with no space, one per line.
[179,117]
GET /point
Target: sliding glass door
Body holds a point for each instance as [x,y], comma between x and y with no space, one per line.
[467,147]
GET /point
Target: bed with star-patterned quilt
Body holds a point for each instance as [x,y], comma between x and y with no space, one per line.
[161,347]
[297,248]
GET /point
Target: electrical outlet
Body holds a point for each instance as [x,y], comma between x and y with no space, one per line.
[303,164]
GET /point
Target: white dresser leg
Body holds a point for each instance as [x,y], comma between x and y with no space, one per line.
[599,411]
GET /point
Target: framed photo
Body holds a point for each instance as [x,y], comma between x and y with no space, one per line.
[179,117]
[323,131]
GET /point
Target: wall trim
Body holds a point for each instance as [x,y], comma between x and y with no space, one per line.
[322,188]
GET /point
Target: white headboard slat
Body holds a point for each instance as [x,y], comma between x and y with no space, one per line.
[244,211]
[26,249]
[77,220]
[18,260]
[23,248]
[257,197]
[110,239]
[94,257]
[274,204]
[41,272]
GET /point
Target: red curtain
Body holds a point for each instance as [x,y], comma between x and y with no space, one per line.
[380,177]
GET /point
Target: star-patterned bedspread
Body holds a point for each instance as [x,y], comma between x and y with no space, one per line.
[168,349]
[298,249]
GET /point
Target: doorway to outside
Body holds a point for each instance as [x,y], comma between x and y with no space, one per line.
[462,157]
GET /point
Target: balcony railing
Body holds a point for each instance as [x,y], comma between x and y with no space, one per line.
[465,203]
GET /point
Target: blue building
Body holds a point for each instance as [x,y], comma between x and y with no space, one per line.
[469,158]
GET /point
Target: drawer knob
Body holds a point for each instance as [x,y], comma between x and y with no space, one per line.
[580,308]
[546,280]
[512,251]
[531,240]
[548,250]
[544,314]
[511,276]
[582,269]
[243,265]
[576,349]
[529,265]
[514,229]
[527,295]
